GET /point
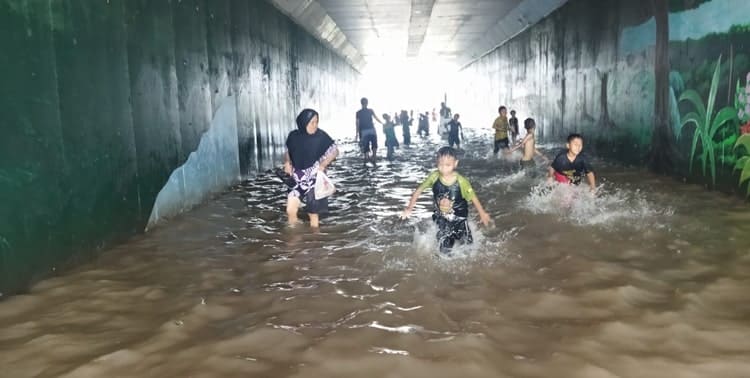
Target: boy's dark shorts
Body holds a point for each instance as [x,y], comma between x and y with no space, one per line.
[453,139]
[368,141]
[315,206]
[528,164]
[450,232]
[501,143]
[529,167]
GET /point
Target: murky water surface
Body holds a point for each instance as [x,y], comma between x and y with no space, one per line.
[649,279]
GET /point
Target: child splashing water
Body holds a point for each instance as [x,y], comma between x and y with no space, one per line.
[570,166]
[451,195]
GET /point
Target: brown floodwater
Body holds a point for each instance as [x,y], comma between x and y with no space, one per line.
[649,279]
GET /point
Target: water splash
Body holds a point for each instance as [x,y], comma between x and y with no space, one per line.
[607,208]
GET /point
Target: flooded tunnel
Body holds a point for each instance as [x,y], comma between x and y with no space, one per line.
[144,233]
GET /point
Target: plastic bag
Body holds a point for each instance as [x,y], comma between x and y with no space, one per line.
[323,186]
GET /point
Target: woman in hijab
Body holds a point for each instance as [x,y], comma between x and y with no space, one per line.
[309,150]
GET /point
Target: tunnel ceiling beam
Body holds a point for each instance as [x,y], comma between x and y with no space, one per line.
[523,16]
[450,31]
[314,18]
[421,10]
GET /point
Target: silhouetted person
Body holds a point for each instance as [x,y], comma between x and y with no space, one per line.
[424,125]
[406,122]
[366,135]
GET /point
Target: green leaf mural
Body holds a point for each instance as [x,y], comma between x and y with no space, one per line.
[706,124]
[743,163]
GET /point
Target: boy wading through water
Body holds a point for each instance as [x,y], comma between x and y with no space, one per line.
[501,127]
[570,166]
[451,194]
[529,148]
[455,129]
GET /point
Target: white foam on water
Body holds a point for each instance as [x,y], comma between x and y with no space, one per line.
[607,208]
[506,179]
[425,252]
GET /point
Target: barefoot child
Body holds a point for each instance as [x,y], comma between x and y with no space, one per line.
[451,195]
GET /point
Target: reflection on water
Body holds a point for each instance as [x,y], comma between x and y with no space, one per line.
[648,279]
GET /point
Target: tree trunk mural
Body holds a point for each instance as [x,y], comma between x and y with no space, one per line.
[663,150]
[605,123]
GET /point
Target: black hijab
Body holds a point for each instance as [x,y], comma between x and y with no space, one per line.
[304,118]
[306,149]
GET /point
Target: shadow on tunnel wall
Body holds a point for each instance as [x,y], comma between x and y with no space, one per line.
[102,101]
[663,83]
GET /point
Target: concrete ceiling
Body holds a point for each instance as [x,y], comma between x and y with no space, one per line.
[452,31]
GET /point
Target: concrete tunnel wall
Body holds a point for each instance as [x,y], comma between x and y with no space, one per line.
[629,76]
[107,105]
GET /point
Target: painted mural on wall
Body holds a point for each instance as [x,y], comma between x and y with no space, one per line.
[662,82]
[708,49]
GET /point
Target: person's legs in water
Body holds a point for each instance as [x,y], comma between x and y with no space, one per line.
[453,139]
[444,235]
[363,145]
[374,148]
[369,145]
[315,207]
[501,143]
[292,207]
[450,232]
[390,152]
[529,167]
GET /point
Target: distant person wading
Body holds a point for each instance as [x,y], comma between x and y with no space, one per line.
[366,135]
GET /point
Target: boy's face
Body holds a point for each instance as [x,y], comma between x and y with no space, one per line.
[446,165]
[455,117]
[575,146]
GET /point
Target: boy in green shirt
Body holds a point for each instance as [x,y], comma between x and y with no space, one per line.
[501,127]
[451,195]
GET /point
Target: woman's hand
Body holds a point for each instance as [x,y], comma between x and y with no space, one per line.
[288,168]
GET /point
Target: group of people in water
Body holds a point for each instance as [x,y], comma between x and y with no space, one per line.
[311,150]
[367,136]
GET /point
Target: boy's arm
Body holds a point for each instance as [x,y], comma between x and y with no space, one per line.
[356,137]
[519,145]
[483,216]
[592,181]
[376,117]
[412,202]
[550,175]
